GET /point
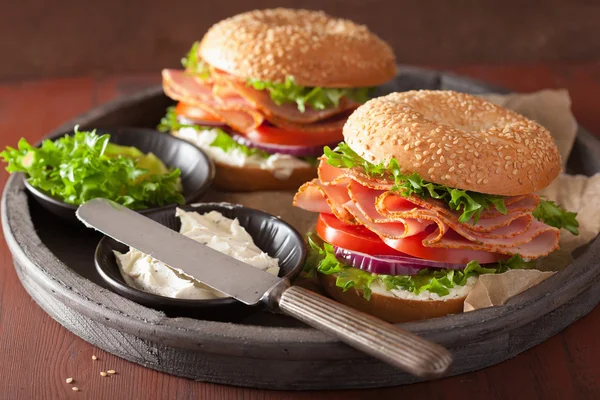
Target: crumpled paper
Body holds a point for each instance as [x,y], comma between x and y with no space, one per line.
[577,193]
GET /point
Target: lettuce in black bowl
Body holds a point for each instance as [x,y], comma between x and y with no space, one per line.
[141,169]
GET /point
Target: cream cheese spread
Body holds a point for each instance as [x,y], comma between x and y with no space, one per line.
[456,292]
[212,229]
[281,165]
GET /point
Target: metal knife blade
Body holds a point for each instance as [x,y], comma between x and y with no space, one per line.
[213,268]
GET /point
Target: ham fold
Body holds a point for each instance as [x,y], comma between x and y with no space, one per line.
[363,200]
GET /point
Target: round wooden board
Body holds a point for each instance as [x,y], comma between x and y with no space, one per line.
[54,264]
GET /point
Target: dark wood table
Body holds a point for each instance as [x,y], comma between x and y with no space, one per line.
[37,354]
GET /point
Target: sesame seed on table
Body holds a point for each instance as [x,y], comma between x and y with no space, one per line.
[40,359]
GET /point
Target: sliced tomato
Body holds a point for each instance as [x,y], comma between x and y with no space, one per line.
[196,114]
[273,135]
[361,239]
[413,245]
[351,237]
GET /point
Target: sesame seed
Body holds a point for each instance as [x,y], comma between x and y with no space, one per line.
[102,373]
[111,372]
[69,380]
[75,389]
[94,358]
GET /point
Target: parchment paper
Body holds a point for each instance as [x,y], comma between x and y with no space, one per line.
[578,193]
[551,108]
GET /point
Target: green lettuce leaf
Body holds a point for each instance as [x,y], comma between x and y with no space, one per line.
[554,215]
[318,98]
[471,204]
[195,66]
[321,257]
[85,165]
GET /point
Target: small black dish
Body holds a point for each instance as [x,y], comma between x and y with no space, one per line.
[272,235]
[197,170]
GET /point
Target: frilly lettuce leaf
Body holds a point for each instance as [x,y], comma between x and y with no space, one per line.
[554,215]
[85,165]
[321,257]
[318,98]
[195,66]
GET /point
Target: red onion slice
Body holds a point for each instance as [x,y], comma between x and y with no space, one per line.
[389,265]
[298,151]
[187,121]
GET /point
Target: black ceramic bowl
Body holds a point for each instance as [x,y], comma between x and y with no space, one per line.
[272,235]
[197,170]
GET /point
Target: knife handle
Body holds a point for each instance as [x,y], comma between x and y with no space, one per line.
[364,332]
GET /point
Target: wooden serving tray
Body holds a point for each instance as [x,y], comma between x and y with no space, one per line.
[55,265]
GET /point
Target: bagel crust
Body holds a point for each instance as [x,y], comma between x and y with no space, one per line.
[229,178]
[390,309]
[455,139]
[313,47]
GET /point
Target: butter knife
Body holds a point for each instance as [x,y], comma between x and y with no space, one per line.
[252,286]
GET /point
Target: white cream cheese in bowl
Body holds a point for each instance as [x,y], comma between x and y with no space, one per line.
[218,232]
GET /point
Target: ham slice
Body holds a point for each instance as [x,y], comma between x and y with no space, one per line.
[181,86]
[513,223]
[329,199]
[540,240]
[363,209]
[369,202]
[289,112]
[329,173]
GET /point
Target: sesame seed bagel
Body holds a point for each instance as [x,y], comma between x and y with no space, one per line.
[455,139]
[313,47]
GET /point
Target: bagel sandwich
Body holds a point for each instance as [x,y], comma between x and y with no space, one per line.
[265,90]
[429,190]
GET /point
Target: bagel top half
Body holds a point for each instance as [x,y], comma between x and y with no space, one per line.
[311,46]
[457,140]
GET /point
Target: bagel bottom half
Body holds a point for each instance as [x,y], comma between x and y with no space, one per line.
[250,179]
[391,309]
